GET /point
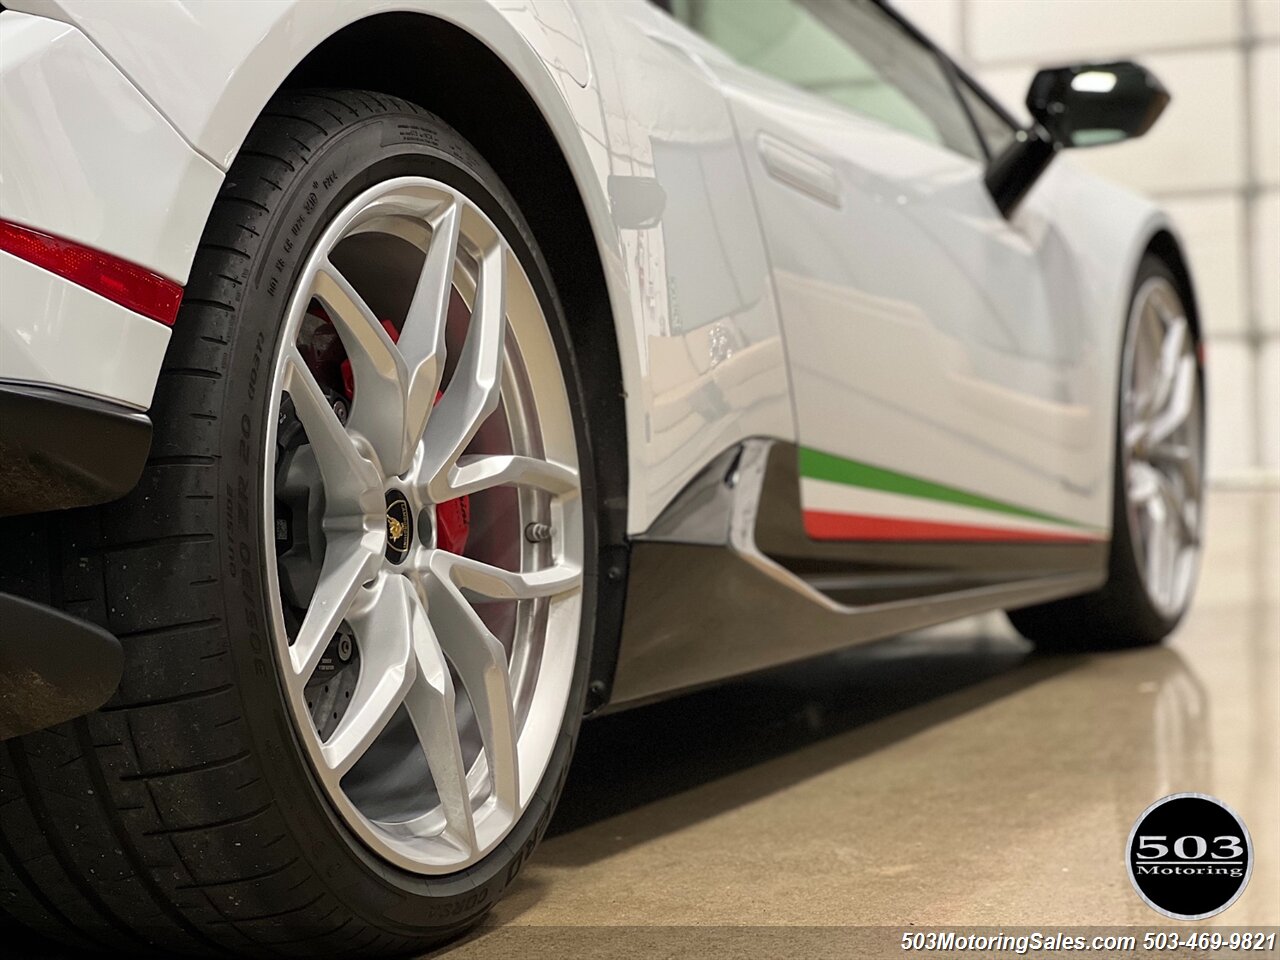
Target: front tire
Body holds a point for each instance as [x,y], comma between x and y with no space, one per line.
[1157,509]
[206,808]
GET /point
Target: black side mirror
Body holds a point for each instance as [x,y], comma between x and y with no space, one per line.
[1085,105]
[1089,105]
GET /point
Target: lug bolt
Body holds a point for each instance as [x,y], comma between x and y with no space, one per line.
[537,532]
[340,410]
[345,647]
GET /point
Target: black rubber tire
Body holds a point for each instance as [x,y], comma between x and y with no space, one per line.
[183,817]
[1120,614]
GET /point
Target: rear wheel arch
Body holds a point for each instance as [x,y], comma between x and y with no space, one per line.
[191,747]
[445,69]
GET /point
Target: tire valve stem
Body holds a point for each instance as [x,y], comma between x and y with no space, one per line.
[340,411]
[537,532]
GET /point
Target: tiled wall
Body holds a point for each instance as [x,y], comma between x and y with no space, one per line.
[1213,160]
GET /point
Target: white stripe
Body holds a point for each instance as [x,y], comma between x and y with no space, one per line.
[844,498]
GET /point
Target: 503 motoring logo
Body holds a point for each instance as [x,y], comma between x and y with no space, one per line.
[1189,856]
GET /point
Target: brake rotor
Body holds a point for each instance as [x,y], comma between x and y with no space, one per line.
[330,688]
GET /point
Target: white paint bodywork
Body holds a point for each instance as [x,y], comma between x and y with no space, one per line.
[56,332]
[924,334]
[83,155]
[958,345]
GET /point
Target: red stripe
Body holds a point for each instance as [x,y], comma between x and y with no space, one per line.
[824,525]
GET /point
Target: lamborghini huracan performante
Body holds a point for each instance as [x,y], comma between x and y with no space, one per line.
[386,386]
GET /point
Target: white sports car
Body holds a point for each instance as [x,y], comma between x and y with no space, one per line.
[426,375]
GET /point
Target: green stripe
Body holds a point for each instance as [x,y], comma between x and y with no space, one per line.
[825,466]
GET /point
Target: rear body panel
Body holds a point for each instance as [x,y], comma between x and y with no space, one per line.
[87,158]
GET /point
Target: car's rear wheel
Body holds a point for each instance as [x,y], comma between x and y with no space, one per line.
[1158,485]
[355,586]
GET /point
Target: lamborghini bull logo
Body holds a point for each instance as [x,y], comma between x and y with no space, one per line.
[399,527]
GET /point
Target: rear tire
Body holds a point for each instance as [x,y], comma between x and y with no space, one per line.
[184,816]
[1125,612]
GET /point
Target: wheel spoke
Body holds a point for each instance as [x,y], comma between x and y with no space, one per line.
[422,341]
[1134,434]
[378,409]
[474,390]
[1144,482]
[481,662]
[431,704]
[1171,350]
[348,476]
[1172,453]
[348,565]
[430,733]
[1161,548]
[1176,505]
[1177,407]
[388,670]
[475,473]
[1179,457]
[498,584]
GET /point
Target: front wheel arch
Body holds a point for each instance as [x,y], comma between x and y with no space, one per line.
[1122,612]
[1164,245]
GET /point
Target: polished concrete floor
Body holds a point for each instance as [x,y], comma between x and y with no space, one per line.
[948,777]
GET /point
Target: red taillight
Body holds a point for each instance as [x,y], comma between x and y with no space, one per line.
[118,280]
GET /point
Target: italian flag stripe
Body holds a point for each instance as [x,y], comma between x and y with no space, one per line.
[823,525]
[846,500]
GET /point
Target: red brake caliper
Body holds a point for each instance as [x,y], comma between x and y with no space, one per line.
[453,517]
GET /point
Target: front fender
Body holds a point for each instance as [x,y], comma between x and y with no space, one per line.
[1106,230]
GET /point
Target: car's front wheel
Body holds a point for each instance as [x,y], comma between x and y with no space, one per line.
[1158,485]
[354,586]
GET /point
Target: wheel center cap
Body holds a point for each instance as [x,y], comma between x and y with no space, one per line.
[399,526]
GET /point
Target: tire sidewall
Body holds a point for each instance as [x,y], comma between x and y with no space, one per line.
[406,142]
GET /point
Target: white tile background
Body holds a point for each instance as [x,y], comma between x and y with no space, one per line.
[1213,160]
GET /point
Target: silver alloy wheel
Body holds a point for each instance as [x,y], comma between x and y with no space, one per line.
[1163,445]
[444,729]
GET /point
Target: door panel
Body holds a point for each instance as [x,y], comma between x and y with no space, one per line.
[929,360]
[801,170]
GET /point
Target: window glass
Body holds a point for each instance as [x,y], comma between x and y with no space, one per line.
[994,128]
[851,52]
